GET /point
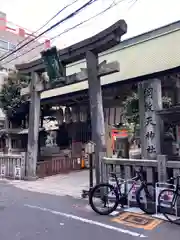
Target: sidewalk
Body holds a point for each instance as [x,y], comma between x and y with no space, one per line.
[70,184]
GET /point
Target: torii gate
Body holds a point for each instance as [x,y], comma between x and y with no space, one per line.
[89,49]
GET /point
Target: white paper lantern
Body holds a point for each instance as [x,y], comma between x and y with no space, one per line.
[60,116]
[67,115]
[83,114]
[75,114]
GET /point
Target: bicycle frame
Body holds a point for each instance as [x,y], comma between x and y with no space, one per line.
[134,180]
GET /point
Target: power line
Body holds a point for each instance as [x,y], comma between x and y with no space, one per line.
[69,29]
[132,4]
[52,27]
[45,24]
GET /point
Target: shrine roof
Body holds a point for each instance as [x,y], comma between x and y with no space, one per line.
[171,114]
[19,131]
[147,54]
[142,56]
[172,110]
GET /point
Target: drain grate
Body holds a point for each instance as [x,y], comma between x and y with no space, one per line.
[137,220]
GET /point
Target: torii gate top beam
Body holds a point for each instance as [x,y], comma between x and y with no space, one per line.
[102,41]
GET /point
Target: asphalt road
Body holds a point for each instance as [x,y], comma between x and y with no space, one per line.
[32,216]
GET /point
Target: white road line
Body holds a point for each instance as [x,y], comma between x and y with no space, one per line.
[85,220]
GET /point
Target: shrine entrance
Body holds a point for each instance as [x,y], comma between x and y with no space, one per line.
[54,63]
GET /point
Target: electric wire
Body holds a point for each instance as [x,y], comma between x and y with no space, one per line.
[50,28]
[67,30]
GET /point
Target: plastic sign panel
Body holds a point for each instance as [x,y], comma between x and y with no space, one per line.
[113,182]
[166,198]
[132,189]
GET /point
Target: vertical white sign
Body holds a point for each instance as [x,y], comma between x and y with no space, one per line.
[17,172]
[3,170]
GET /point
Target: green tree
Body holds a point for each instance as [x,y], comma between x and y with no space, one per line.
[10,97]
[131,108]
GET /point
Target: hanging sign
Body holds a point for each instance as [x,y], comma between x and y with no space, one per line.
[75,114]
[60,116]
[68,116]
[90,147]
[83,114]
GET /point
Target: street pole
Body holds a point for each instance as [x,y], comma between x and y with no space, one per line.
[90,170]
[97,115]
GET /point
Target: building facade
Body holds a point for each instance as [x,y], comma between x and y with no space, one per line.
[12,35]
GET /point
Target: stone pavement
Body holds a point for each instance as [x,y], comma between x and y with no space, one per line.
[70,184]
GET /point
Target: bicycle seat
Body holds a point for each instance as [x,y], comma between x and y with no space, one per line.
[113,174]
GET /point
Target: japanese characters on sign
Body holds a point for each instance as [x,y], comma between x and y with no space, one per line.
[150,122]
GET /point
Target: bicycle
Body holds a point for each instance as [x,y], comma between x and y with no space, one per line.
[169,202]
[117,197]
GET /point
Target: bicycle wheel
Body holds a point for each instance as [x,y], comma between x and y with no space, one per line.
[145,197]
[169,205]
[106,195]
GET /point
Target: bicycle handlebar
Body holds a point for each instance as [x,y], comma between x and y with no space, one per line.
[138,172]
[174,178]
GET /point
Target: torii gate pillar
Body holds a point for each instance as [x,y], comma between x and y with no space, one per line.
[97,115]
[33,134]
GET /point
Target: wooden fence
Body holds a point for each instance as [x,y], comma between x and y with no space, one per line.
[57,165]
[12,166]
[155,170]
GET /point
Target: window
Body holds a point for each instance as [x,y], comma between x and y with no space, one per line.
[12,46]
[3,45]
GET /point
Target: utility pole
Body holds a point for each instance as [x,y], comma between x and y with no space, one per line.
[96,107]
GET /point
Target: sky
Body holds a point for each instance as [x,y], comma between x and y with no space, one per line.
[140,15]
